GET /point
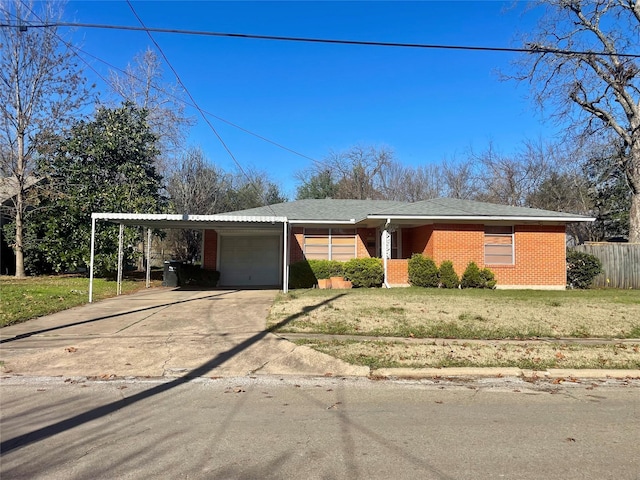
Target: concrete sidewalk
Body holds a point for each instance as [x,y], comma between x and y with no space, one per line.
[162,333]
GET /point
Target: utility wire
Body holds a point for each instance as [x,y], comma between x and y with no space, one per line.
[77,51]
[204,117]
[533,48]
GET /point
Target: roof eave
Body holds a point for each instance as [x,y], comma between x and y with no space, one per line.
[475,218]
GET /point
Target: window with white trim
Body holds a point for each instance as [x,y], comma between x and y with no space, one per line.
[498,245]
[330,244]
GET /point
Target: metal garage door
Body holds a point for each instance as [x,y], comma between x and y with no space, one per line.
[250,260]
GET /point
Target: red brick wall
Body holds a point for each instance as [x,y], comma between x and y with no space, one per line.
[539,251]
[364,237]
[296,243]
[397,271]
[458,243]
[210,250]
[417,240]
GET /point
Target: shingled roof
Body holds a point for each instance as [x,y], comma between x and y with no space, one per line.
[439,208]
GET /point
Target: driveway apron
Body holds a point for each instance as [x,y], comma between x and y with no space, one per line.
[162,333]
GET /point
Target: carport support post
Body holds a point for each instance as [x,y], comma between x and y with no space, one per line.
[285,257]
[120,254]
[148,257]
[93,244]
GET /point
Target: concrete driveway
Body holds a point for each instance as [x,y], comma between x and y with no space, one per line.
[162,333]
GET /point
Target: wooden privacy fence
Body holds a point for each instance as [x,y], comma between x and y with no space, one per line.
[620,263]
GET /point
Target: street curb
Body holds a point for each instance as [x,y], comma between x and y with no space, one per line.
[423,373]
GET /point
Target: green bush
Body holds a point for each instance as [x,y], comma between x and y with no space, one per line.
[195,276]
[423,271]
[582,268]
[448,276]
[364,272]
[301,275]
[473,277]
[488,278]
[326,268]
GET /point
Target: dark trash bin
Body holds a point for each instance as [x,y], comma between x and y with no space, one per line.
[170,277]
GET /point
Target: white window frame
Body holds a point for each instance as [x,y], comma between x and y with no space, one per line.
[329,239]
[513,244]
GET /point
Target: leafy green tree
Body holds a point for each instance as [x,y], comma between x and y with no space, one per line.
[103,165]
[319,185]
[41,89]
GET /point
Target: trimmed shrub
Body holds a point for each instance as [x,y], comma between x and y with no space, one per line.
[364,272]
[473,277]
[448,276]
[301,275]
[423,271]
[488,278]
[582,268]
[326,268]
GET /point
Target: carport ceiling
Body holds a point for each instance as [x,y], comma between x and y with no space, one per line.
[197,222]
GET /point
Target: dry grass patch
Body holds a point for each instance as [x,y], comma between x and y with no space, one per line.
[535,356]
[492,314]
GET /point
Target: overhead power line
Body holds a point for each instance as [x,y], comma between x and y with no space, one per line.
[527,49]
[202,113]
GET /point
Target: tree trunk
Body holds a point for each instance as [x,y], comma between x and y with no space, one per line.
[18,247]
[634,219]
[633,176]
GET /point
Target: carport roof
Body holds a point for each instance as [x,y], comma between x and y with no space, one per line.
[164,220]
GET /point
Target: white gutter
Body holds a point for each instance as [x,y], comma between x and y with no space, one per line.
[477,218]
[323,222]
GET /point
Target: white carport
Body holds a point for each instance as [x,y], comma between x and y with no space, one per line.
[220,223]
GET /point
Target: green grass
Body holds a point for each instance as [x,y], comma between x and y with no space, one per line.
[381,354]
[26,298]
[473,314]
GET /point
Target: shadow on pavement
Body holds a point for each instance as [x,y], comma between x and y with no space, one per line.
[64,425]
[58,327]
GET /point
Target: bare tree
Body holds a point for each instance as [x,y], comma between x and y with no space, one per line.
[581,67]
[412,184]
[459,178]
[195,187]
[511,179]
[142,84]
[357,173]
[41,87]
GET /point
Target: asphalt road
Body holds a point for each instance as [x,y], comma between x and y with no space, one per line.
[324,428]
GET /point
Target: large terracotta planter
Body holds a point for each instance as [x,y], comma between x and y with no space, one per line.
[324,283]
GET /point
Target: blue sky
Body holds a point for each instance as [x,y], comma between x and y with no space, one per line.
[426,105]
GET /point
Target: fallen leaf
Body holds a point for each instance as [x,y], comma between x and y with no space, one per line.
[558,380]
[71,349]
[439,401]
[559,355]
[570,439]
[122,387]
[238,390]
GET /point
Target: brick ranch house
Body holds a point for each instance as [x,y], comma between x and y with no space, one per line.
[524,247]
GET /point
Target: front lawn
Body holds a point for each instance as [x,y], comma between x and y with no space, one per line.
[31,297]
[509,320]
[470,314]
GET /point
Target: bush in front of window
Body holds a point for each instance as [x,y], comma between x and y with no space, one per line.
[326,268]
[582,268]
[473,277]
[447,275]
[301,275]
[423,271]
[364,272]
